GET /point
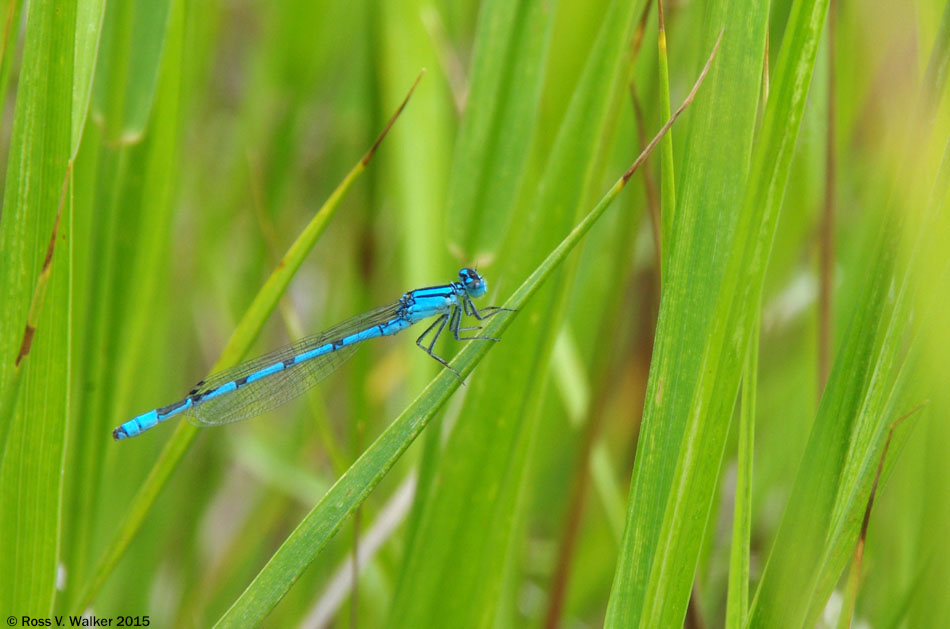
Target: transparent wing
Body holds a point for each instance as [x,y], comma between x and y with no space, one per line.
[262,395]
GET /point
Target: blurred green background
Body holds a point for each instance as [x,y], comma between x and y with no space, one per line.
[683,425]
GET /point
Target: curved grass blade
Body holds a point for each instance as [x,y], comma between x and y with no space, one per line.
[240,342]
[325,519]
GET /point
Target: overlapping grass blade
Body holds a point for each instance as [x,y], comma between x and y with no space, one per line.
[120,241]
[691,395]
[133,43]
[313,533]
[822,521]
[470,520]
[495,137]
[737,606]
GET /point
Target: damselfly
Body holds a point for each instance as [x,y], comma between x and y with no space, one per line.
[258,385]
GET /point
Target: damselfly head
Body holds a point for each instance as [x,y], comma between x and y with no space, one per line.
[475,285]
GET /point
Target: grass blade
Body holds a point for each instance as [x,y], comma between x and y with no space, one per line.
[494,140]
[818,531]
[717,159]
[35,281]
[737,604]
[316,529]
[691,419]
[459,569]
[241,340]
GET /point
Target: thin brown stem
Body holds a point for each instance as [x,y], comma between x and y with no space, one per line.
[637,41]
[854,575]
[392,120]
[676,114]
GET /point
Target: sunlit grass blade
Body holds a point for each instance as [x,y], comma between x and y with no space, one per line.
[665,521]
[667,178]
[239,343]
[690,398]
[350,490]
[819,528]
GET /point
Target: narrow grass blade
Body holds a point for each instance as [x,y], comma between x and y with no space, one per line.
[737,604]
[120,242]
[133,42]
[241,340]
[667,176]
[350,490]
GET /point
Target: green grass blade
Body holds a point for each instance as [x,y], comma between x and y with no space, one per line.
[713,175]
[667,174]
[132,45]
[816,537]
[313,533]
[660,553]
[89,18]
[35,281]
[123,239]
[239,343]
[495,136]
[10,16]
[737,604]
[469,522]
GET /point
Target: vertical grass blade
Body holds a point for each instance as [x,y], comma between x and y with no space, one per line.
[495,137]
[120,240]
[818,530]
[667,175]
[714,170]
[133,43]
[737,604]
[468,528]
[36,254]
[685,423]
